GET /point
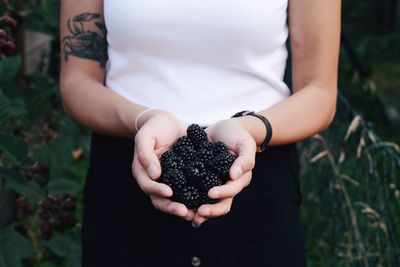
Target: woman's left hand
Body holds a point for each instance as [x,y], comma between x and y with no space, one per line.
[239,141]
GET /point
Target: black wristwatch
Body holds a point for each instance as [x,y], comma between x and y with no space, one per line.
[267,124]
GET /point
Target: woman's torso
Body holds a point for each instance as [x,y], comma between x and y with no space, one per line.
[201,60]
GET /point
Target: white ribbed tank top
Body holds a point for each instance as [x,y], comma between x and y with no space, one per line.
[202,60]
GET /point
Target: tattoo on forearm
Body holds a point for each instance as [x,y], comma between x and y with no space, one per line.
[85,43]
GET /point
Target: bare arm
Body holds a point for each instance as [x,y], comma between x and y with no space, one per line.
[315,39]
[315,33]
[84,96]
[89,102]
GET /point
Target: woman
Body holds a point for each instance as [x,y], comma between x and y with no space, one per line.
[138,73]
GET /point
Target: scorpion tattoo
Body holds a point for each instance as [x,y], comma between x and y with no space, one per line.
[85,43]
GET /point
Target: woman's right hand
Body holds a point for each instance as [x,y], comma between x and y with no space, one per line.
[158,131]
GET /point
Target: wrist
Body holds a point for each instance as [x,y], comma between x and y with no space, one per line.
[126,113]
[255,133]
[254,126]
[144,116]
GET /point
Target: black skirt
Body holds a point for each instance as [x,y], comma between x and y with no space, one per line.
[121,228]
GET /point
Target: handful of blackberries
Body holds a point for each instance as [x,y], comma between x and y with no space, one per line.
[193,166]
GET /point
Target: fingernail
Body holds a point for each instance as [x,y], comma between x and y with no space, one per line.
[196,225]
[152,170]
[237,172]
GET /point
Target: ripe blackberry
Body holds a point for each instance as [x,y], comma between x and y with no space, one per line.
[56,213]
[205,199]
[166,155]
[204,154]
[220,164]
[46,230]
[184,148]
[219,147]
[190,196]
[169,160]
[230,158]
[68,205]
[210,180]
[197,135]
[174,178]
[194,171]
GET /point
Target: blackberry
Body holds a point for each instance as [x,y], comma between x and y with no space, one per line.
[230,159]
[166,155]
[56,213]
[68,205]
[190,196]
[197,135]
[210,180]
[219,147]
[174,178]
[204,154]
[184,148]
[220,164]
[171,161]
[194,171]
[205,199]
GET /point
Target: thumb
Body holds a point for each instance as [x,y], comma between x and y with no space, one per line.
[146,156]
[245,161]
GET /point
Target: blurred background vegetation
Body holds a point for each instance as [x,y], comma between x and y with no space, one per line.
[350,172]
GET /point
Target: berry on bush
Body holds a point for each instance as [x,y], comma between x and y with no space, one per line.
[24,207]
[193,166]
[10,21]
[56,213]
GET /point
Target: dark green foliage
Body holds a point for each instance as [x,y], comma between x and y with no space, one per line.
[351,194]
[37,164]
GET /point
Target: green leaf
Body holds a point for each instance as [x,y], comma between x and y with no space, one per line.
[5,111]
[8,257]
[14,148]
[47,264]
[59,154]
[67,245]
[31,191]
[45,18]
[13,248]
[9,68]
[58,186]
[17,106]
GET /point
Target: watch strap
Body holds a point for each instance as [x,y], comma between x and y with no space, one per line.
[267,124]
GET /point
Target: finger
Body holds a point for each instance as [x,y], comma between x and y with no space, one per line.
[198,219]
[145,146]
[148,185]
[215,210]
[246,159]
[231,188]
[190,215]
[171,207]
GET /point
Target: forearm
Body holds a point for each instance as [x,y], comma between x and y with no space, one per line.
[300,116]
[94,106]
[315,40]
